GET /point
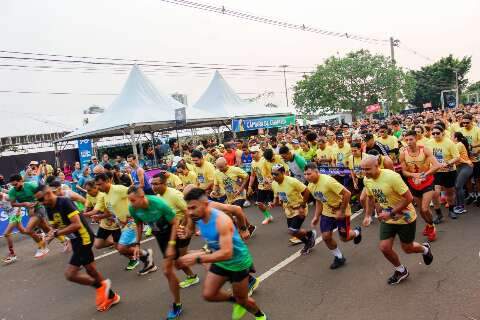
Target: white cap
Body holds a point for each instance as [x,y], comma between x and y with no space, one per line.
[176,160]
[254,148]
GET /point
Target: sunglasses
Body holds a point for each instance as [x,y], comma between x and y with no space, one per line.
[436,133]
[465,123]
[41,200]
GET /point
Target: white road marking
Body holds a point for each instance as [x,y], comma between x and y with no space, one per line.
[293,257]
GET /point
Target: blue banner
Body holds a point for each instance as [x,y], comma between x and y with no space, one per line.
[239,125]
[4,220]
[85,151]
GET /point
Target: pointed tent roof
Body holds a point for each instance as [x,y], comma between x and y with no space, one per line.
[140,106]
[220,99]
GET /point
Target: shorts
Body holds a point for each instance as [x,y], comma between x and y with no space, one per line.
[239,202]
[222,199]
[232,276]
[128,237]
[15,219]
[406,232]
[183,243]
[105,233]
[420,193]
[162,240]
[82,255]
[445,179]
[328,224]
[295,223]
[264,196]
[40,212]
[476,169]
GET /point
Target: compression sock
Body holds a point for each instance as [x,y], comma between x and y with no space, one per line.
[266,214]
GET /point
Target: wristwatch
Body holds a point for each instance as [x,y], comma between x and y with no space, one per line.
[243,228]
[55,233]
[198,259]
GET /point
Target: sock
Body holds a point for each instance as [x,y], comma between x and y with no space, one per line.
[259,314]
[10,249]
[337,253]
[96,285]
[111,294]
[438,212]
[143,255]
[400,268]
[232,299]
[425,250]
[309,234]
[266,214]
[356,232]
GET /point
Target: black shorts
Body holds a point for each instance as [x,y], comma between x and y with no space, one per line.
[162,240]
[264,196]
[82,255]
[445,179]
[239,202]
[105,233]
[232,276]
[183,243]
[419,193]
[476,169]
[406,232]
[295,223]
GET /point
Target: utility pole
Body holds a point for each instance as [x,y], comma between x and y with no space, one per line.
[456,88]
[393,43]
[285,81]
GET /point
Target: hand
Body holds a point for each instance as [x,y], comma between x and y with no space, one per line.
[244,234]
[95,218]
[315,221]
[30,204]
[188,260]
[384,215]
[50,236]
[181,232]
[136,252]
[367,221]
[338,213]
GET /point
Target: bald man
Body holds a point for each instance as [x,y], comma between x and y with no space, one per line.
[397,216]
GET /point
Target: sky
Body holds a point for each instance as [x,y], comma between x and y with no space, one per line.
[160,31]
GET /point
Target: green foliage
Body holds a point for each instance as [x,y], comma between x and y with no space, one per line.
[434,78]
[471,92]
[353,82]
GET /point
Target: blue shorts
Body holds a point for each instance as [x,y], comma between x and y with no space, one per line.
[128,237]
[328,224]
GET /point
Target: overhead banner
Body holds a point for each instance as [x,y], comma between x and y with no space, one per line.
[373,108]
[85,151]
[239,125]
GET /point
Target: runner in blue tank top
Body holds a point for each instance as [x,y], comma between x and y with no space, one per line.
[230,258]
[138,175]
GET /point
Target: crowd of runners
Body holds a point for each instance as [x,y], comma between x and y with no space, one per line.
[392,169]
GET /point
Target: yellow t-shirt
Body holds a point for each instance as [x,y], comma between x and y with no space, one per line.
[340,155]
[388,190]
[229,182]
[455,127]
[424,141]
[462,151]
[116,202]
[98,202]
[289,193]
[210,158]
[354,165]
[267,170]
[174,199]
[190,178]
[205,174]
[444,151]
[473,137]
[257,168]
[325,155]
[391,142]
[327,190]
[173,181]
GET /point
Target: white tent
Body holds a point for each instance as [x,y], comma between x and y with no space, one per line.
[220,99]
[139,107]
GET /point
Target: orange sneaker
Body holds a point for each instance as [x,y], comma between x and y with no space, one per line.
[425,230]
[432,234]
[109,303]
[102,293]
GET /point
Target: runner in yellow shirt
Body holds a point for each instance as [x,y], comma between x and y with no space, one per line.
[472,133]
[271,159]
[332,209]
[205,171]
[263,195]
[396,213]
[324,153]
[186,175]
[231,181]
[293,194]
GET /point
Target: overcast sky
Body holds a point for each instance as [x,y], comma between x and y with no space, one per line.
[155,30]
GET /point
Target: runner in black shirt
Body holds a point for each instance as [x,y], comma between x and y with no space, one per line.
[66,220]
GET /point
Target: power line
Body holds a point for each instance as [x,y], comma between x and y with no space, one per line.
[251,17]
[413,51]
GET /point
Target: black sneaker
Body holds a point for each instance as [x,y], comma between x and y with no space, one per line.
[338,262]
[452,214]
[307,247]
[251,230]
[438,219]
[148,270]
[358,238]
[469,200]
[148,265]
[398,277]
[427,258]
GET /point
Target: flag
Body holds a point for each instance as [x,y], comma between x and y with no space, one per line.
[373,108]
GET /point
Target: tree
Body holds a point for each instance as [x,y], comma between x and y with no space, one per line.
[472,93]
[353,82]
[434,78]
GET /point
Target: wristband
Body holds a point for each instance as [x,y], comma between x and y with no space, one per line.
[172,242]
[198,259]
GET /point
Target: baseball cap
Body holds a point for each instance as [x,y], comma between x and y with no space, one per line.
[295,141]
[33,163]
[176,160]
[254,148]
[277,166]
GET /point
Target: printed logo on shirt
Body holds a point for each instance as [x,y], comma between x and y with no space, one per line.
[380,196]
[319,196]
[283,196]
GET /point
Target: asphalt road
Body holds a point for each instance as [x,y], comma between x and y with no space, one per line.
[305,288]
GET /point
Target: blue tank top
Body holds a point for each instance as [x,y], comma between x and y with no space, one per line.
[241,258]
[247,162]
[136,181]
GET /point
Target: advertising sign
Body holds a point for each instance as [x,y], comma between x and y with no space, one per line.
[84,151]
[239,125]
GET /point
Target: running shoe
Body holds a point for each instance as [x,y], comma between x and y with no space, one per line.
[102,293]
[431,233]
[425,230]
[109,303]
[189,281]
[175,312]
[398,277]
[267,220]
[310,244]
[41,252]
[148,266]
[294,241]
[452,215]
[459,210]
[438,219]
[264,317]
[337,263]
[470,199]
[148,231]
[252,229]
[427,258]
[247,204]
[9,259]
[238,312]
[132,264]
[253,284]
[358,238]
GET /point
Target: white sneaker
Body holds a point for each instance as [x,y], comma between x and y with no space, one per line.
[40,253]
[247,204]
[267,220]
